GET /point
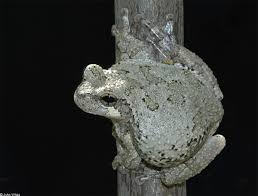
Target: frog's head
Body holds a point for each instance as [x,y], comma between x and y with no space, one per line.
[101,93]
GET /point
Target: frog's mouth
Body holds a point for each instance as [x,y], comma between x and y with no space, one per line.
[113,113]
[120,111]
[86,102]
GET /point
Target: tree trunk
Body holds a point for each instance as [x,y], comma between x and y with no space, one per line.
[128,186]
[154,11]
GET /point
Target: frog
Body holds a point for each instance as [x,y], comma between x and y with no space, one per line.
[165,108]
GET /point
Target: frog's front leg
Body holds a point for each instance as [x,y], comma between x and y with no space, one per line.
[118,158]
[127,155]
[196,164]
[162,39]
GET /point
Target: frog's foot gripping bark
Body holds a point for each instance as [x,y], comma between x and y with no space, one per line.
[149,38]
[196,164]
[128,46]
[162,38]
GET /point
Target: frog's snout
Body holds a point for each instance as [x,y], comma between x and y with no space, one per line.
[78,97]
[84,101]
[79,94]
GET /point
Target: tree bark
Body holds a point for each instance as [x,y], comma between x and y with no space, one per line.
[128,186]
[154,11]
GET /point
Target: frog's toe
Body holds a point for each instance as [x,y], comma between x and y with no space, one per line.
[116,162]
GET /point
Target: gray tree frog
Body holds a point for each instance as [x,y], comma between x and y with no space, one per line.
[165,108]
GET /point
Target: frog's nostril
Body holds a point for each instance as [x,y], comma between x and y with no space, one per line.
[79,94]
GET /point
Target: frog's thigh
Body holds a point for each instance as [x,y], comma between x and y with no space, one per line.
[196,164]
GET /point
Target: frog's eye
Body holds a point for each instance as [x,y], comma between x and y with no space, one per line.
[108,100]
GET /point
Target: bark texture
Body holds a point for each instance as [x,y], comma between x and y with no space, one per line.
[128,186]
[155,11]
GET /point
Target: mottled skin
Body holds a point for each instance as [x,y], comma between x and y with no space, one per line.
[164,114]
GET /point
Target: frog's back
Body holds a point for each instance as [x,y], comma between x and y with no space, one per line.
[173,111]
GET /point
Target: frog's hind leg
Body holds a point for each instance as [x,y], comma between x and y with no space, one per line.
[196,164]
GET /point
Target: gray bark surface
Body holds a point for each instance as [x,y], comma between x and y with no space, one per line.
[154,11]
[128,186]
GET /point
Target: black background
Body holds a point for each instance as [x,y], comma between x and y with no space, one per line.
[50,147]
